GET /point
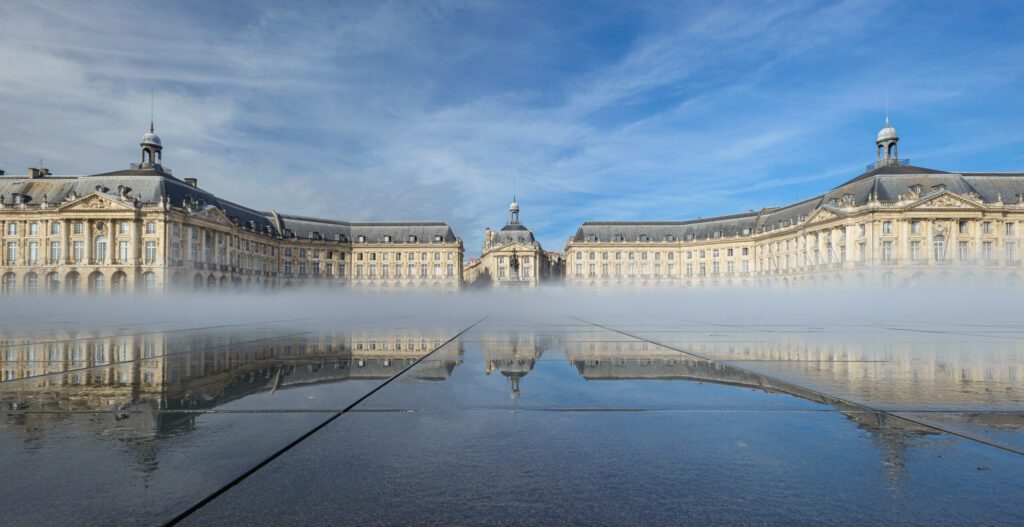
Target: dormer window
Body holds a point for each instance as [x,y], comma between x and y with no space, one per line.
[619,238]
[939,187]
[745,231]
[670,238]
[689,237]
[412,238]
[644,238]
[591,237]
[387,239]
[717,234]
[438,238]
[361,239]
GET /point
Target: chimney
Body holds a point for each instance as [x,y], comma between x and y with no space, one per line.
[192,182]
[34,173]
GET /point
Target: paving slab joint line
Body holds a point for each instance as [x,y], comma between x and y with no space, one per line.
[203,502]
[816,392]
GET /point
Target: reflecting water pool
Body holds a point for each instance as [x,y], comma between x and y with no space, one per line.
[511,421]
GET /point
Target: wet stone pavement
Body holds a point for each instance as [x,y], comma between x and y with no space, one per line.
[511,421]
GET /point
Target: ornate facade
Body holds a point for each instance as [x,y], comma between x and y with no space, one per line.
[143,229]
[512,257]
[895,224]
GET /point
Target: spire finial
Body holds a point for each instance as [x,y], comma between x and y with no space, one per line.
[887,108]
[151,110]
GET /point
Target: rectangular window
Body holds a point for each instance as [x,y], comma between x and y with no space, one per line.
[55,228]
[12,253]
[12,229]
[150,227]
[986,227]
[423,267]
[986,251]
[77,228]
[54,252]
[1009,229]
[886,227]
[33,229]
[77,251]
[963,227]
[150,252]
[579,269]
[33,253]
[122,251]
[122,228]
[915,250]
[1010,251]
[964,251]
[450,272]
[887,252]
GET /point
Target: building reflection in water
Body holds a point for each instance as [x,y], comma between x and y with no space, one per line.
[512,354]
[151,382]
[156,384]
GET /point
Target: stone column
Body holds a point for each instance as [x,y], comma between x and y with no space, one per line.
[65,246]
[88,242]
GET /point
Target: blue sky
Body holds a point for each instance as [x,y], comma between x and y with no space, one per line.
[599,110]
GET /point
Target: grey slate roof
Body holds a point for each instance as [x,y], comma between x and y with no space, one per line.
[374,232]
[514,233]
[151,186]
[887,183]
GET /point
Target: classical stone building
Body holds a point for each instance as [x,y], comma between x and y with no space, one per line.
[512,257]
[895,224]
[143,229]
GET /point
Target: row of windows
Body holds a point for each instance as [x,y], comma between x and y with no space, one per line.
[97,282]
[963,227]
[410,256]
[77,227]
[644,255]
[396,271]
[100,252]
[645,269]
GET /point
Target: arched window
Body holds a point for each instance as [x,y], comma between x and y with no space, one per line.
[52,283]
[71,283]
[97,283]
[940,247]
[9,283]
[149,282]
[31,283]
[100,254]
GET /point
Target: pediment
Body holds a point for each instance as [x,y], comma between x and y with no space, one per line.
[945,200]
[95,201]
[521,248]
[823,215]
[213,214]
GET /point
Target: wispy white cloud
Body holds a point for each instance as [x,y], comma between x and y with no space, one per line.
[428,110]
